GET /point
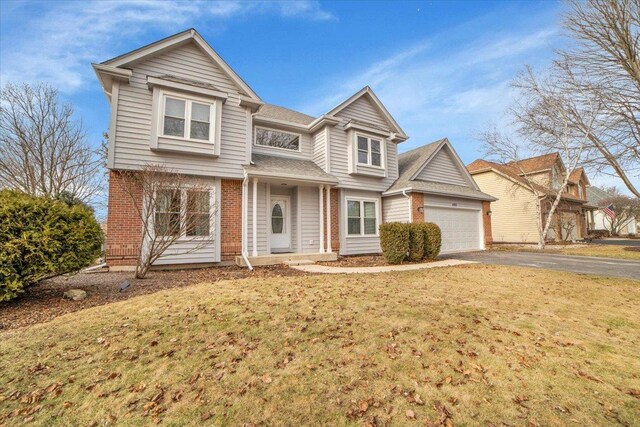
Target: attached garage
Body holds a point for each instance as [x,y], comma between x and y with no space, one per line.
[460,222]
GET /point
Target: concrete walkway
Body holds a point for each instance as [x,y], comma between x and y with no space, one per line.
[325,269]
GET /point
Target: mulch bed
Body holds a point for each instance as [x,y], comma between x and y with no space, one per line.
[44,302]
[632,248]
[363,261]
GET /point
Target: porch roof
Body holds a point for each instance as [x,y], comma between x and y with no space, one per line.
[266,166]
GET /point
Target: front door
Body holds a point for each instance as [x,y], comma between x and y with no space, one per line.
[280,226]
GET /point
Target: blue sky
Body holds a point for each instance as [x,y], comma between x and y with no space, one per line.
[441,68]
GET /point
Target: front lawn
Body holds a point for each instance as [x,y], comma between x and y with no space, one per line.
[604,251]
[472,345]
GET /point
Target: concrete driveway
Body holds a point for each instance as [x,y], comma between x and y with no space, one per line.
[617,242]
[577,264]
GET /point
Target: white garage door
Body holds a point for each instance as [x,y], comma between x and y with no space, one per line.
[460,227]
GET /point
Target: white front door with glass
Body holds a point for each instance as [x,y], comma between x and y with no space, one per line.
[280,226]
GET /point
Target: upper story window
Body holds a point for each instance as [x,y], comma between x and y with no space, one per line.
[277,139]
[369,151]
[186,118]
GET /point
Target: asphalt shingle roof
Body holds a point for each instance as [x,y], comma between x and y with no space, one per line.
[285,167]
[411,162]
[281,113]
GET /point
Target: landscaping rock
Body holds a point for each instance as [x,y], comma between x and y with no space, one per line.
[75,294]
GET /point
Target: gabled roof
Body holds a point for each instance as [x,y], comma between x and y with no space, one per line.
[596,196]
[190,35]
[368,92]
[412,162]
[536,164]
[509,171]
[578,173]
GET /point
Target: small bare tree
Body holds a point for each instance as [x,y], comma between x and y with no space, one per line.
[174,210]
[43,150]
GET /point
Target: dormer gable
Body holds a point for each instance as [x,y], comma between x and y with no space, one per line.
[364,109]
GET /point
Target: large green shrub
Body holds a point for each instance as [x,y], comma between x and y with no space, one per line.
[433,240]
[417,237]
[41,237]
[394,240]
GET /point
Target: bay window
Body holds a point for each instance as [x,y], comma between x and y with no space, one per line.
[362,218]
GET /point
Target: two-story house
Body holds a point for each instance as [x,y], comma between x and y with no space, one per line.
[514,218]
[286,185]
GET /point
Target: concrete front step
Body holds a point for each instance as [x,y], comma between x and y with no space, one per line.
[299,262]
[274,259]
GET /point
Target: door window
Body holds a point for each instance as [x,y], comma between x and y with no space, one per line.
[277,219]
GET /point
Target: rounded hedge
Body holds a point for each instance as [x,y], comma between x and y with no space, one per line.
[409,241]
[41,237]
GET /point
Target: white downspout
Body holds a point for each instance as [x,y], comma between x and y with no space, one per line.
[245,200]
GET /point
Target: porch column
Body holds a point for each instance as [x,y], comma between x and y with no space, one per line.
[321,210]
[329,250]
[255,217]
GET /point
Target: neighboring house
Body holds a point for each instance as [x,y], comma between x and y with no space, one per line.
[514,218]
[598,219]
[283,182]
[434,186]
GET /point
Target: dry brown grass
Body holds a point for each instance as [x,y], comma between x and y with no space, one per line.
[603,251]
[473,345]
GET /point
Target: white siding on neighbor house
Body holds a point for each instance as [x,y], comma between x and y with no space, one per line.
[353,245]
[362,109]
[443,168]
[513,215]
[134,117]
[306,145]
[310,221]
[320,148]
[396,209]
[340,164]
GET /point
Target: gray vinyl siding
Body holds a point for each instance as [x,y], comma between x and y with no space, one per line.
[261,219]
[134,117]
[310,220]
[443,168]
[306,145]
[396,209]
[354,245]
[320,148]
[362,109]
[339,164]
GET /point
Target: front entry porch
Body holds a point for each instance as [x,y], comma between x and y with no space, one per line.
[286,218]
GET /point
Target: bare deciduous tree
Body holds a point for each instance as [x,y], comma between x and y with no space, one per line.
[174,210]
[626,209]
[43,150]
[603,63]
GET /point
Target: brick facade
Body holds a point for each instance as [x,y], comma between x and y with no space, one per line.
[230,219]
[335,221]
[417,200]
[486,223]
[124,226]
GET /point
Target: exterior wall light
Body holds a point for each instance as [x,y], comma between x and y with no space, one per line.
[489,212]
[420,209]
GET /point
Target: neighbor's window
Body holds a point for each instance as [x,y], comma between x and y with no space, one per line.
[178,112]
[198,213]
[361,217]
[167,218]
[369,151]
[277,139]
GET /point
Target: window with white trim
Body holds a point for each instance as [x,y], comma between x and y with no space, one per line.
[183,213]
[277,139]
[186,118]
[362,218]
[369,151]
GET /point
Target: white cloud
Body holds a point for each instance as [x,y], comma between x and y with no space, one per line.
[58,45]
